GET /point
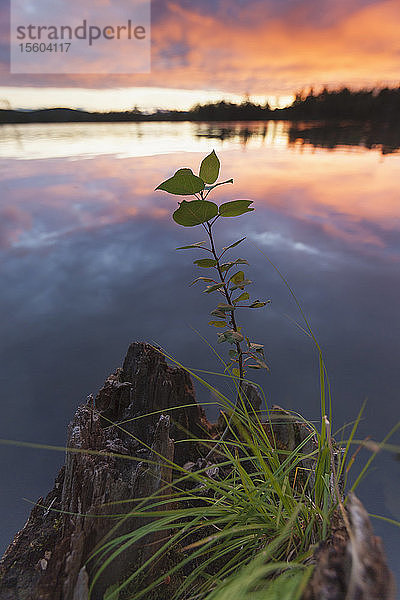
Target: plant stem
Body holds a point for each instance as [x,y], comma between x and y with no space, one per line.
[216,185]
[228,296]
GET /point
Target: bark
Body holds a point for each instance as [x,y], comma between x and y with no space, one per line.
[120,447]
[352,569]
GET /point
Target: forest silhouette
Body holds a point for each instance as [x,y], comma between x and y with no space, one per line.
[382,104]
[367,117]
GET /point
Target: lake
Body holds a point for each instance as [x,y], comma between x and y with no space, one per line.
[88,264]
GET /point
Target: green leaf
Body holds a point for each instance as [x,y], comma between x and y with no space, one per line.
[196,245]
[205,262]
[230,336]
[213,288]
[242,297]
[222,306]
[237,277]
[205,279]
[217,323]
[226,266]
[234,336]
[240,285]
[195,212]
[221,338]
[229,265]
[218,313]
[209,168]
[235,208]
[258,304]
[183,183]
[234,244]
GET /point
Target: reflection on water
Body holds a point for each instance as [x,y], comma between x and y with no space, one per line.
[352,198]
[264,132]
[383,136]
[87,263]
[87,140]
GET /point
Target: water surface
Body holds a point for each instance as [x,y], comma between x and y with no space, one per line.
[88,264]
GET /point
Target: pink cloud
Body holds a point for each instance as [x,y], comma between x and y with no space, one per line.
[274,54]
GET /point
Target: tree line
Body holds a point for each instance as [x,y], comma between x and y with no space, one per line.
[376,104]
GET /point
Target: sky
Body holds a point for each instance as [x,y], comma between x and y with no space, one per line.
[214,49]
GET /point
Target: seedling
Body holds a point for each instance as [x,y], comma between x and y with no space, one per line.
[226,279]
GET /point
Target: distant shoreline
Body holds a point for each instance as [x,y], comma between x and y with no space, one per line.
[60,115]
[381,134]
[375,105]
[67,115]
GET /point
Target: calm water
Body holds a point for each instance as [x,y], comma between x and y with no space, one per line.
[88,264]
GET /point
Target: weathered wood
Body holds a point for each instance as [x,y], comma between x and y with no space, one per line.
[46,558]
[351,568]
[120,447]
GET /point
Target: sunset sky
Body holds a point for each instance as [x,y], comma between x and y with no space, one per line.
[88,243]
[226,48]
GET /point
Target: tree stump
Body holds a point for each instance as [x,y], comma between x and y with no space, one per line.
[120,447]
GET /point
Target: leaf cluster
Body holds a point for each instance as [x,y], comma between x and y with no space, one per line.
[225,280]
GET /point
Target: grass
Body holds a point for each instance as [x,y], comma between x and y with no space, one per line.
[250,531]
[247,531]
[250,519]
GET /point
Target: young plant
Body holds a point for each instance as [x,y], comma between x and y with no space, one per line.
[249,529]
[226,279]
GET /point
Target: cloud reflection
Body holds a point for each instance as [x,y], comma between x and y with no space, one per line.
[334,193]
[88,264]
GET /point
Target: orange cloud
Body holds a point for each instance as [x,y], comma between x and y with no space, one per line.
[269,55]
[362,47]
